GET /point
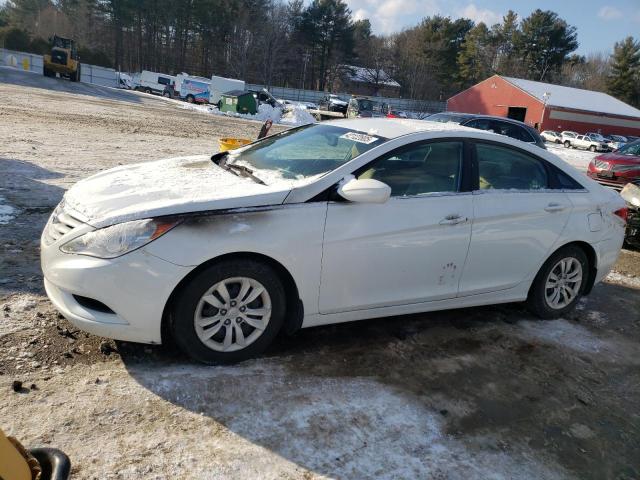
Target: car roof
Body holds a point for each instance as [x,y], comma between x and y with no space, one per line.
[396,127]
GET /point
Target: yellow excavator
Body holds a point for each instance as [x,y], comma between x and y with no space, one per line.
[63,59]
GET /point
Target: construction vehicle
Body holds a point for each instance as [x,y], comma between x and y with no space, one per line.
[63,59]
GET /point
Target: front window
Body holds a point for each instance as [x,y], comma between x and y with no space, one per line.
[305,152]
[418,169]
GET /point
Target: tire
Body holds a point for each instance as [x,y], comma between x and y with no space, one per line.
[539,301]
[567,144]
[592,148]
[147,90]
[189,306]
[190,99]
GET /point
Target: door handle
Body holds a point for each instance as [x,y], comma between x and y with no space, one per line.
[453,219]
[554,207]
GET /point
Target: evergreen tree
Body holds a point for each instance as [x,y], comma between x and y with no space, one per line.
[476,56]
[624,80]
[544,42]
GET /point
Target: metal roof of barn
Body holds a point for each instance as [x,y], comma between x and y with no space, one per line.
[575,98]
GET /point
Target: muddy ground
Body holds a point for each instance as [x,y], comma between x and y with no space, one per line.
[475,393]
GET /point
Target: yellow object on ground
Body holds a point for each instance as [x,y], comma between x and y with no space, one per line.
[232,143]
[13,464]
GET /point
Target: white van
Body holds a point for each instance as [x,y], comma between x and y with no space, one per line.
[181,77]
[158,83]
[220,85]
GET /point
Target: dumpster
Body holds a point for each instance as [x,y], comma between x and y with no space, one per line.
[238,101]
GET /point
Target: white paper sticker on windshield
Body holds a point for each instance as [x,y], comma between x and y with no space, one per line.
[359,137]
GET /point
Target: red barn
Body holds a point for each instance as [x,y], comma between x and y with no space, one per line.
[548,107]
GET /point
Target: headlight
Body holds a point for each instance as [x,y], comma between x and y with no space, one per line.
[116,240]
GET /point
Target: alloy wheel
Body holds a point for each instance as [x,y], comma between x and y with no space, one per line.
[563,283]
[232,314]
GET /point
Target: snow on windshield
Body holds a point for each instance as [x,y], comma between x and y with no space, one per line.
[303,154]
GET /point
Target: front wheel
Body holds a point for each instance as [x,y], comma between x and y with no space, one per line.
[559,283]
[592,148]
[567,144]
[229,312]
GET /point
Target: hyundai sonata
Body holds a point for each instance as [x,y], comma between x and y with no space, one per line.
[321,224]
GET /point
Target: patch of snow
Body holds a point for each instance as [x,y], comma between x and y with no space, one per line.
[615,277]
[298,115]
[18,313]
[261,419]
[569,335]
[7,212]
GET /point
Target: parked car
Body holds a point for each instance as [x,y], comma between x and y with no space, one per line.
[503,126]
[599,138]
[567,136]
[616,169]
[586,143]
[333,103]
[615,141]
[363,107]
[551,136]
[325,223]
[392,113]
[151,82]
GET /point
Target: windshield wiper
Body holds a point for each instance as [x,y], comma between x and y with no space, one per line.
[245,171]
[221,160]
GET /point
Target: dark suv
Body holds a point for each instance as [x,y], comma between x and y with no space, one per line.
[503,126]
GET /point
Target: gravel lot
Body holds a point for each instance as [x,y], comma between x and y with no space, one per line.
[475,393]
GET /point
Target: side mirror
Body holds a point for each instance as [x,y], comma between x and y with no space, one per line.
[366,190]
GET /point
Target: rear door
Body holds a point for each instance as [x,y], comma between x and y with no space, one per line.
[518,217]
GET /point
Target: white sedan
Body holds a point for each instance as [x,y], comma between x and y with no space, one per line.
[325,223]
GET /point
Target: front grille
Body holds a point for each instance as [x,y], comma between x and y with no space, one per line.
[602,165]
[60,223]
[59,56]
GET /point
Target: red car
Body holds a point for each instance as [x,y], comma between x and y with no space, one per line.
[616,169]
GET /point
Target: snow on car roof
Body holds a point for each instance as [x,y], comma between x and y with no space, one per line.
[575,98]
[396,127]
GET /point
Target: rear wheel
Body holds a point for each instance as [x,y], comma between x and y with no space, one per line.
[190,99]
[567,144]
[229,312]
[559,283]
[147,90]
[592,148]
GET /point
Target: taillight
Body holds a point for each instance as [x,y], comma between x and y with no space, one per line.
[623,213]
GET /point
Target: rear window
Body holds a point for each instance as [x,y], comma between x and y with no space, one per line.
[504,168]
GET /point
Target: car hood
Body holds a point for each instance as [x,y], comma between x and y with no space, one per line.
[166,187]
[618,158]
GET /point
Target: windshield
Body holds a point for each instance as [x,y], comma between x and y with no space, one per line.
[365,105]
[305,152]
[630,149]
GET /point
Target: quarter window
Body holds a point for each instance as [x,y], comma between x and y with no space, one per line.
[420,168]
[503,168]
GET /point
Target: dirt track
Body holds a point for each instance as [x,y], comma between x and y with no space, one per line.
[476,393]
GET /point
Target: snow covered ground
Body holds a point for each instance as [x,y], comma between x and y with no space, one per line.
[579,159]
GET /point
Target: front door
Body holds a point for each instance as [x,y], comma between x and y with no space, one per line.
[410,249]
[517,219]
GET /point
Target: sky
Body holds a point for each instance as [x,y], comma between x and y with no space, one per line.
[600,23]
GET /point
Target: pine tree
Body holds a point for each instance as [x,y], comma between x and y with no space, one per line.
[624,80]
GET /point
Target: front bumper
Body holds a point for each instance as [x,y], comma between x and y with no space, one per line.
[136,287]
